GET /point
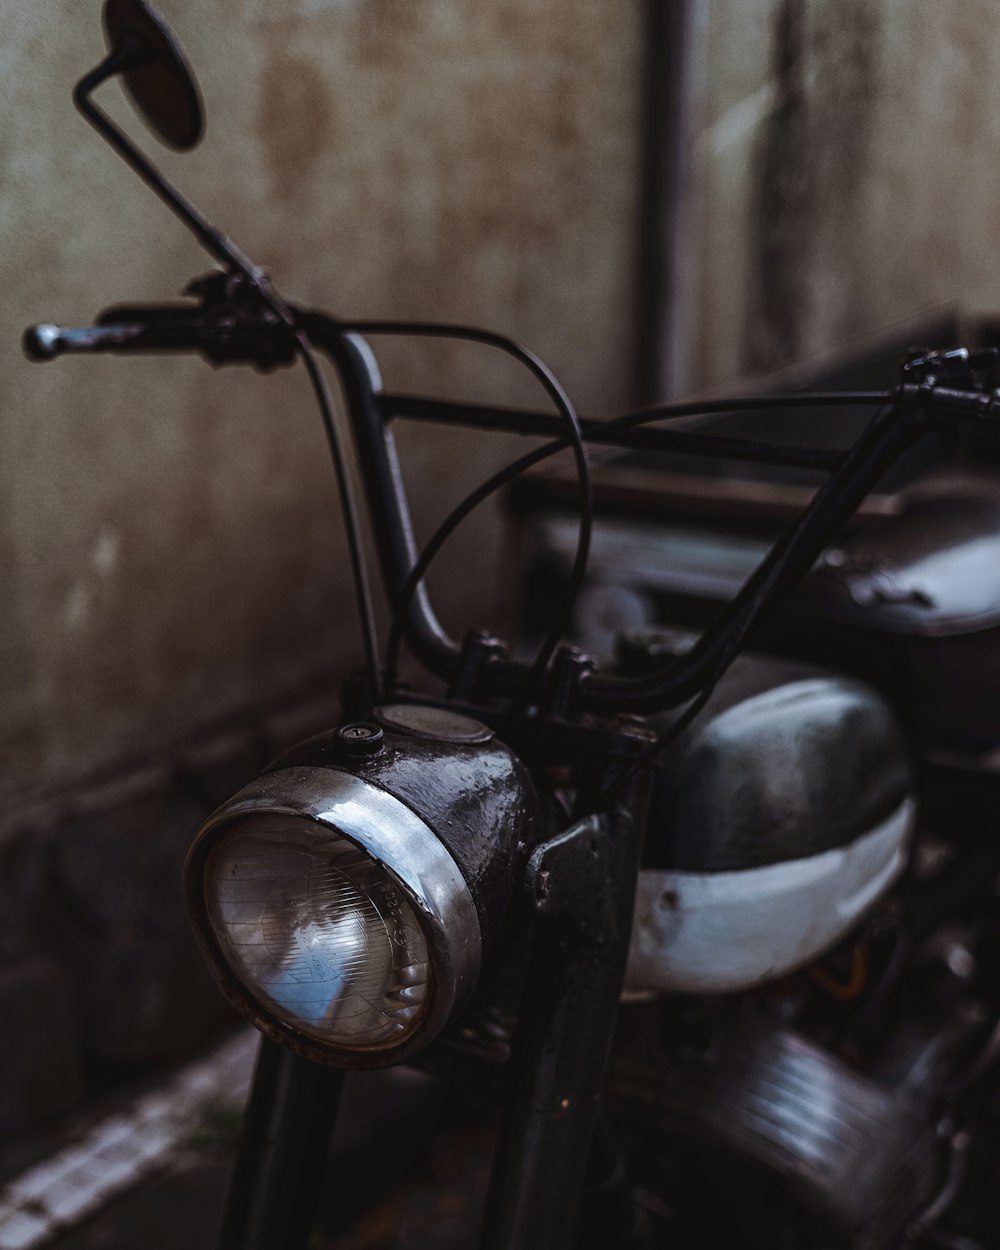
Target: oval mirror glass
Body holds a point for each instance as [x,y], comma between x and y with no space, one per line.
[161,85]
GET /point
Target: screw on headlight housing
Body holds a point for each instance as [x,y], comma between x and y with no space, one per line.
[360,738]
[343,900]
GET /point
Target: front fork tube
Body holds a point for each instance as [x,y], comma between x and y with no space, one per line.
[280,1166]
[565,1029]
[584,887]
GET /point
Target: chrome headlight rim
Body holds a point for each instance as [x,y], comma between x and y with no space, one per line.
[403,845]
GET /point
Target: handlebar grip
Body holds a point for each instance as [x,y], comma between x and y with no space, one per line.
[46,342]
[167,328]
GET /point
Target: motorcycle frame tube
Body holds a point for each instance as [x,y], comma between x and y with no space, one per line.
[641,438]
[856,472]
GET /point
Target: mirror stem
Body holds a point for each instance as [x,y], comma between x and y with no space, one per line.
[131,54]
[223,249]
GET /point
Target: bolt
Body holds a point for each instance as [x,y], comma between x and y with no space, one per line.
[360,738]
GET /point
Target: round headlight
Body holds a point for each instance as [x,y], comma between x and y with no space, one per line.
[333,916]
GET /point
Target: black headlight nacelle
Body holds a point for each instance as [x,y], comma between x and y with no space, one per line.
[344,899]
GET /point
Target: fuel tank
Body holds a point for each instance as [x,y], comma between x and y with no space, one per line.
[777,821]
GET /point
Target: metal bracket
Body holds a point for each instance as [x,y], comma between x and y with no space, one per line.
[567,878]
[479,650]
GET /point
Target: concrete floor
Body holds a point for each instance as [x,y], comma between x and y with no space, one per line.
[426,1191]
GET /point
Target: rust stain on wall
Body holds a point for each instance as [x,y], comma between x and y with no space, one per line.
[389,31]
[295,119]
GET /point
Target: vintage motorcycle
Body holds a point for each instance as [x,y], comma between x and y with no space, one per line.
[680,915]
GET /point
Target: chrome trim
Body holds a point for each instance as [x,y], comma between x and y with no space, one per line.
[398,839]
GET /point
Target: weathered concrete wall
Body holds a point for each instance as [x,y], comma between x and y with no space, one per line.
[175,602]
[842,157]
[170,550]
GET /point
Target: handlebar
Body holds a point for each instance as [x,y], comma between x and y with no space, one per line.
[918,408]
[227,332]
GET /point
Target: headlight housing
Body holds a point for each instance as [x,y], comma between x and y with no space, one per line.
[343,898]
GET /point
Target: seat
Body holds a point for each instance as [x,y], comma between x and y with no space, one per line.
[911,603]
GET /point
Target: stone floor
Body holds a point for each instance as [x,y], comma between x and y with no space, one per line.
[152,1172]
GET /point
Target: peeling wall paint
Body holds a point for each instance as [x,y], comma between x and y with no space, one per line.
[170,550]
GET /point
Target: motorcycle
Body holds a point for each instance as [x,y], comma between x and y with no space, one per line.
[699,920]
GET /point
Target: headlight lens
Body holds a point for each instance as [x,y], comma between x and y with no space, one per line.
[325,936]
[332,916]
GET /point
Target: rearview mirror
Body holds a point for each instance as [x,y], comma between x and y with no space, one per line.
[158,77]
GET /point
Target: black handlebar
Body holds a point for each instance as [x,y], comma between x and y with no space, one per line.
[229,333]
